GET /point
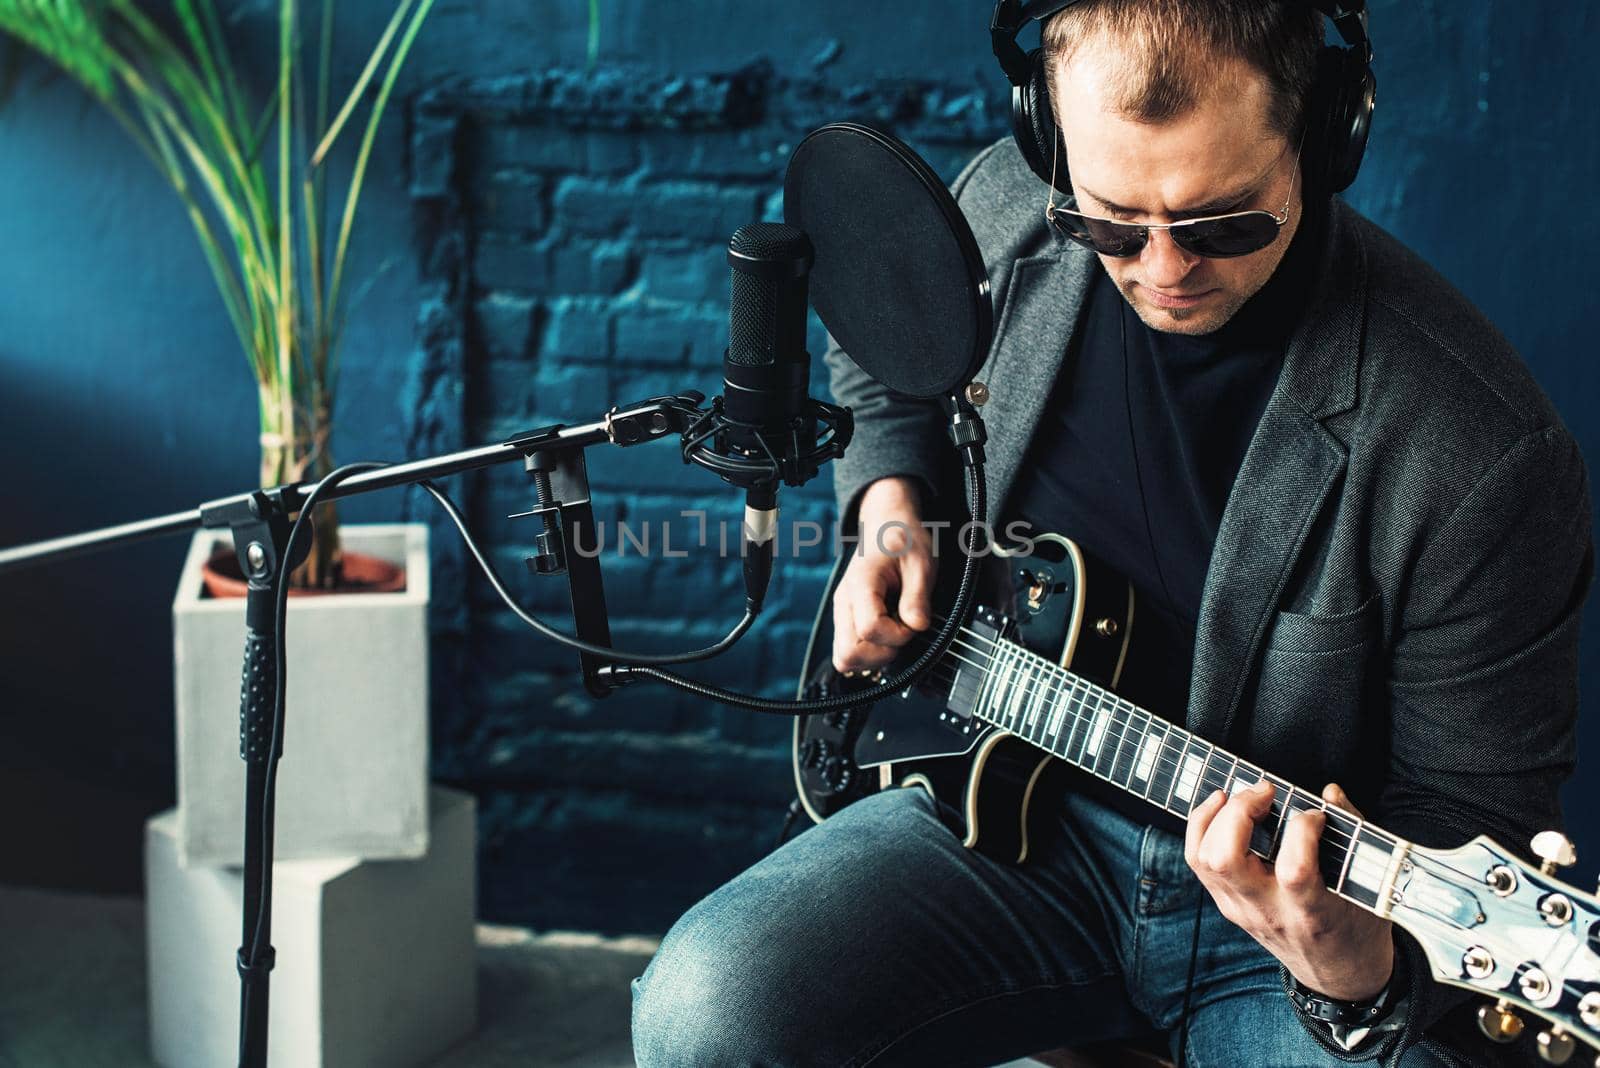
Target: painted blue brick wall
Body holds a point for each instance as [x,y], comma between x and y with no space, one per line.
[596,213]
[543,240]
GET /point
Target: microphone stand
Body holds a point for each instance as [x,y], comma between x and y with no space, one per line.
[260,523]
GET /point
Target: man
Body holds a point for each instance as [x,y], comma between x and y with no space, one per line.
[1340,497]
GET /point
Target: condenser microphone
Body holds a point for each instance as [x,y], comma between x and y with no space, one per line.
[767,377]
[766,371]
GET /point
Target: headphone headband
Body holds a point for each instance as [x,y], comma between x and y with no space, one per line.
[1351,22]
[1349,17]
[1339,111]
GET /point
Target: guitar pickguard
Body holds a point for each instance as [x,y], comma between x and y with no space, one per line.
[920,725]
[928,734]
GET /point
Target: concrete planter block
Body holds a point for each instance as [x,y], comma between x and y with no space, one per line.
[376,959]
[353,781]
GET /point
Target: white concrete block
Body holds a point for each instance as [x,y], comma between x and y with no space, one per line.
[375,959]
[354,775]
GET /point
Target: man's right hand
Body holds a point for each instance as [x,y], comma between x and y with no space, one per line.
[886,594]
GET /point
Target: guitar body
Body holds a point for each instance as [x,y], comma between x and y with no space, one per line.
[1053,600]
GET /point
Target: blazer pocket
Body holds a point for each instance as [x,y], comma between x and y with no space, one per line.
[1304,634]
[1314,676]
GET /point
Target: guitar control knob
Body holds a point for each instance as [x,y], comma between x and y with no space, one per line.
[815,752]
[1498,1023]
[838,774]
[838,719]
[1554,850]
[1556,1046]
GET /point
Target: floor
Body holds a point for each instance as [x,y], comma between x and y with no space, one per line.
[72,990]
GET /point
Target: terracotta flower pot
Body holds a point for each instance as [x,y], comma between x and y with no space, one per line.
[362,574]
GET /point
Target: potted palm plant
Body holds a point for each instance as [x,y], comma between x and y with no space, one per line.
[252,174]
[251,167]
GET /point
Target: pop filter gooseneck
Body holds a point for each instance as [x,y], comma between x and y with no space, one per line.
[900,284]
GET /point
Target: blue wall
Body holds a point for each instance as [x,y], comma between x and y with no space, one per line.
[544,242]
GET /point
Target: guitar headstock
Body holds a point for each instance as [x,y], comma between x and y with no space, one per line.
[1493,923]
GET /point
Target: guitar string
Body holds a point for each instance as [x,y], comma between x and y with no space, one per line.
[1066,684]
[1123,727]
[1206,777]
[1057,675]
[1206,780]
[1053,673]
[1034,686]
[1339,836]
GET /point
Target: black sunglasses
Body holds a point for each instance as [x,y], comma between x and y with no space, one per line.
[1216,237]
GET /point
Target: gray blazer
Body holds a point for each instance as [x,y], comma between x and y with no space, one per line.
[1394,594]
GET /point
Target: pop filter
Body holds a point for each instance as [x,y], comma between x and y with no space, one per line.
[898,279]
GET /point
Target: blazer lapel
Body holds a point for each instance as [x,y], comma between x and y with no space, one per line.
[1292,464]
[1041,307]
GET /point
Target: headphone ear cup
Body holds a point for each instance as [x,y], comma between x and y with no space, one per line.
[1339,117]
[1033,125]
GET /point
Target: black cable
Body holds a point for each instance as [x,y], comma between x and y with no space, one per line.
[977,491]
[280,666]
[606,652]
[1188,984]
[788,822]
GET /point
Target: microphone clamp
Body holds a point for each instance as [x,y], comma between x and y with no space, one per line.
[819,434]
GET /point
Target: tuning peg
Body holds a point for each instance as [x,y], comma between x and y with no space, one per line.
[1556,1046]
[1554,850]
[1498,1023]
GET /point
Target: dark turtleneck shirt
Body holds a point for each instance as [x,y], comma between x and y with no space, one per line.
[1139,446]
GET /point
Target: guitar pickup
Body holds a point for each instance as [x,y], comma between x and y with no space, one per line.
[970,670]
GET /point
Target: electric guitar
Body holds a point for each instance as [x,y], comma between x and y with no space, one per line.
[1029,685]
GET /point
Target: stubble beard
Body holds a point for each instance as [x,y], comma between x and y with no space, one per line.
[1205,319]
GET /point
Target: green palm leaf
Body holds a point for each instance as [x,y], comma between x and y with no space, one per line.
[71,34]
[179,97]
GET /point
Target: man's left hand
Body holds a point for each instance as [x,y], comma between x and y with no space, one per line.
[1330,945]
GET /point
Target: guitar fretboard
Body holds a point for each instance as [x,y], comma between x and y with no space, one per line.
[1005,684]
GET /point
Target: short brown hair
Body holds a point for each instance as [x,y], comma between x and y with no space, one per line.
[1173,39]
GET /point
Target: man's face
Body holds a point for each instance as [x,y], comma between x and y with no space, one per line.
[1222,155]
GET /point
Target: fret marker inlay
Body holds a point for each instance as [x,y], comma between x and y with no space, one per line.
[1147,756]
[1097,730]
[1369,867]
[1190,776]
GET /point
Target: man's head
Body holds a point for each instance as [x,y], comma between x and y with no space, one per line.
[1175,109]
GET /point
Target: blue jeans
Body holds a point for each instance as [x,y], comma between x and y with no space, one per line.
[877,938]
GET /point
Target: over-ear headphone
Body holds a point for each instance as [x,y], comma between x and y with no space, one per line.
[1338,111]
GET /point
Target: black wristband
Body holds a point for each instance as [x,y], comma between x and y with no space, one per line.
[1345,1013]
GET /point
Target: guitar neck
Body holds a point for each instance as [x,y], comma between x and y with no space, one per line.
[1092,728]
